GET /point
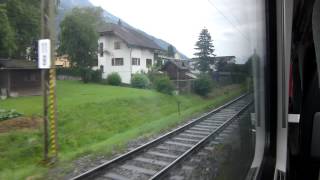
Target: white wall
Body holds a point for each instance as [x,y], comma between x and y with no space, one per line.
[143,54]
[124,52]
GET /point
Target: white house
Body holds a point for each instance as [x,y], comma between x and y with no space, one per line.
[125,51]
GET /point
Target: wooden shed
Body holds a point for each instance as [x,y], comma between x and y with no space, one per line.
[180,74]
[19,78]
[177,70]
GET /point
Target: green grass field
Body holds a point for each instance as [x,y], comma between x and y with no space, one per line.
[95,119]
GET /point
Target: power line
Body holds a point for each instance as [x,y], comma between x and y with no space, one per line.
[235,18]
[235,27]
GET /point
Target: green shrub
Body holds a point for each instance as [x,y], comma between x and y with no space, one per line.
[153,74]
[96,76]
[85,74]
[163,85]
[5,114]
[76,72]
[114,79]
[202,86]
[140,81]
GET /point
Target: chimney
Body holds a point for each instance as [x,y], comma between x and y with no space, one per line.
[119,22]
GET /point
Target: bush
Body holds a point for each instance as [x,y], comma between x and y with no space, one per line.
[85,74]
[202,86]
[96,76]
[114,79]
[76,72]
[140,81]
[163,85]
[153,74]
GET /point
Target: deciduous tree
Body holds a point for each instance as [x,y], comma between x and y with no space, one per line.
[79,36]
[20,26]
[7,41]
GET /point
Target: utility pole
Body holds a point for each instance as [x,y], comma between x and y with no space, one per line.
[49,83]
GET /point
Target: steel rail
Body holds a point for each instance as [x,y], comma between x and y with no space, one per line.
[107,165]
[200,144]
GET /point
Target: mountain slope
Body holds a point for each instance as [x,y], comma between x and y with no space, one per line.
[68,5]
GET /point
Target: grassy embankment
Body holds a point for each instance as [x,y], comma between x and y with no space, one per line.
[96,119]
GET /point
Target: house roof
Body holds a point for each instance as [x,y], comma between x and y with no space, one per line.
[216,58]
[183,65]
[164,57]
[17,64]
[130,36]
[191,75]
[224,58]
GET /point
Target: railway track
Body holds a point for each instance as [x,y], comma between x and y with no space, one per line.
[155,159]
[206,163]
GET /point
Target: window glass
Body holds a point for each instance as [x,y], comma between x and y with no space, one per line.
[136,61]
[148,62]
[117,62]
[101,49]
[102,68]
[117,45]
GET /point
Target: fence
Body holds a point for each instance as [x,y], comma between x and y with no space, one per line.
[183,85]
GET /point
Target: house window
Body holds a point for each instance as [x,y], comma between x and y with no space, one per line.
[136,61]
[101,68]
[101,49]
[117,61]
[117,45]
[149,63]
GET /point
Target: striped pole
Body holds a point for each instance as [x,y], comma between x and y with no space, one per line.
[52,113]
[48,12]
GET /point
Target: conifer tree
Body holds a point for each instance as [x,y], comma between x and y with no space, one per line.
[204,54]
[79,37]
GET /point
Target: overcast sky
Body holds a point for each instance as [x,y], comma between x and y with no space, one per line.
[231,23]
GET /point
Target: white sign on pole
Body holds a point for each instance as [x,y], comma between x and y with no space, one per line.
[44,54]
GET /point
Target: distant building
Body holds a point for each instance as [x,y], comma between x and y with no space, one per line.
[19,78]
[62,61]
[125,51]
[162,58]
[192,62]
[192,65]
[229,59]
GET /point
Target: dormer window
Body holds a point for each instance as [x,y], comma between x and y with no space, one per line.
[117,45]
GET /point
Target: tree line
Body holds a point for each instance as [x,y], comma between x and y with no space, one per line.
[78,37]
